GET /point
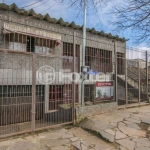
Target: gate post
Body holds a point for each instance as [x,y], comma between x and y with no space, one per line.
[146,53]
[139,81]
[126,82]
[33,92]
[116,81]
[73,82]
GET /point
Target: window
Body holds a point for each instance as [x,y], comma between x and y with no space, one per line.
[30,44]
[55,96]
[20,42]
[15,41]
[68,52]
[60,94]
[44,46]
[98,59]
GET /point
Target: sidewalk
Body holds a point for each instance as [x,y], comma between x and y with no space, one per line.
[129,128]
[57,139]
[124,129]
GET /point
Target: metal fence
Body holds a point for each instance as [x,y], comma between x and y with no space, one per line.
[28,103]
[132,78]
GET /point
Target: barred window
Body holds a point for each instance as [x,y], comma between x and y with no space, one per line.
[98,59]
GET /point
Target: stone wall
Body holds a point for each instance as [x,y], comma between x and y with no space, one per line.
[86,111]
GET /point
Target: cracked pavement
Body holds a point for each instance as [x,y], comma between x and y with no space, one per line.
[127,129]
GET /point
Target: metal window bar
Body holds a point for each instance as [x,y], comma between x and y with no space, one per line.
[98,59]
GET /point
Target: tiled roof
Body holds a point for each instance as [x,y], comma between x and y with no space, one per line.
[31,12]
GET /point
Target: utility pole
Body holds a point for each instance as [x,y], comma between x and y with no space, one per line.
[83,52]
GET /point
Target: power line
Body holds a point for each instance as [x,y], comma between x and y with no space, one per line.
[99,19]
[40,12]
[40,4]
[31,4]
[49,7]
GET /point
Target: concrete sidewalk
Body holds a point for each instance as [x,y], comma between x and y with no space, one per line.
[57,139]
[129,128]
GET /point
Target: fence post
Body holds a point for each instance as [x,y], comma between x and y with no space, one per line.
[33,92]
[147,76]
[126,82]
[139,81]
[116,81]
[73,82]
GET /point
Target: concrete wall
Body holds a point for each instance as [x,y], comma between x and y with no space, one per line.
[86,111]
[101,42]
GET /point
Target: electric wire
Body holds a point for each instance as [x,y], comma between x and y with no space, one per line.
[100,20]
[40,4]
[40,12]
[32,4]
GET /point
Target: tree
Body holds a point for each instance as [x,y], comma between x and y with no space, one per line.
[129,14]
[134,15]
[92,5]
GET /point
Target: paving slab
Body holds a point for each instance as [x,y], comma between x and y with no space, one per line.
[135,126]
[139,145]
[10,141]
[126,143]
[74,139]
[110,131]
[127,122]
[56,142]
[63,130]
[145,120]
[3,147]
[77,144]
[122,148]
[131,131]
[60,148]
[87,144]
[83,147]
[101,147]
[67,135]
[107,136]
[121,123]
[53,136]
[143,141]
[142,148]
[120,135]
[24,145]
[44,148]
[133,120]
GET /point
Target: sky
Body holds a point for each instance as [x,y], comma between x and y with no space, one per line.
[99,21]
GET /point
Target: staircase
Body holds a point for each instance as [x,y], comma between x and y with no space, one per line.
[130,81]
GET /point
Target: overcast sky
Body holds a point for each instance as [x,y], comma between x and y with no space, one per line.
[100,21]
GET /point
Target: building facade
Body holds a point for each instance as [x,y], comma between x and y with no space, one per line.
[52,40]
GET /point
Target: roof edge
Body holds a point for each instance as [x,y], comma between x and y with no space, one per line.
[13,7]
